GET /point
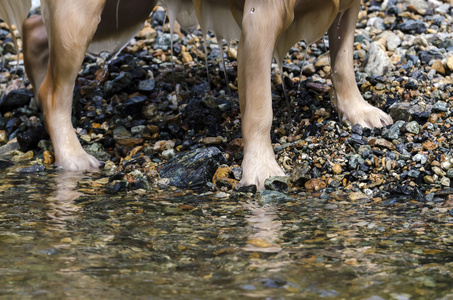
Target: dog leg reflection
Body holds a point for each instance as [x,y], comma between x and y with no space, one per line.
[265,226]
[61,202]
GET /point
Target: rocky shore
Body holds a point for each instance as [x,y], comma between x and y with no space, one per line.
[159,120]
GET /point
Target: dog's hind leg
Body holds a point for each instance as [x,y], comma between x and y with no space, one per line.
[349,102]
[36,52]
[262,23]
[70,26]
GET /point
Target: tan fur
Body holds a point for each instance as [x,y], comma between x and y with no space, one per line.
[267,29]
[13,12]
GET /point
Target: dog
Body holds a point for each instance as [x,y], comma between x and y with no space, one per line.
[54,47]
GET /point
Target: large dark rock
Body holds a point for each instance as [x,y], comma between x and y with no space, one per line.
[193,169]
[29,139]
[15,99]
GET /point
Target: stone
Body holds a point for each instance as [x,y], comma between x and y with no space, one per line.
[193,169]
[377,62]
[147,85]
[29,139]
[412,26]
[300,175]
[315,184]
[438,66]
[278,183]
[33,169]
[273,197]
[15,99]
[118,84]
[336,169]
[7,149]
[393,132]
[413,127]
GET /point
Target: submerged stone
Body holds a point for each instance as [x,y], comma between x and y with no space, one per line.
[273,197]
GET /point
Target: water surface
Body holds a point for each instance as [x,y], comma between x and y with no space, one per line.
[62,236]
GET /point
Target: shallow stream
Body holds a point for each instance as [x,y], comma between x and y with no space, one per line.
[61,237]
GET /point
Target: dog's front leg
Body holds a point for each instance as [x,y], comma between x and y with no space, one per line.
[70,26]
[262,23]
[349,102]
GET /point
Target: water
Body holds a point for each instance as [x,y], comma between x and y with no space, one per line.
[61,237]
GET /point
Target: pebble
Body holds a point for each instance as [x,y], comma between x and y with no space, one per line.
[315,184]
[49,158]
[337,169]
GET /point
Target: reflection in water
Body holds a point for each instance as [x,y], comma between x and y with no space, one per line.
[265,228]
[61,201]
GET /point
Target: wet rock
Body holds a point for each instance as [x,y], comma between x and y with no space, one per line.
[15,99]
[222,178]
[273,197]
[33,169]
[357,196]
[23,156]
[237,172]
[49,158]
[29,139]
[123,137]
[193,169]
[278,183]
[7,149]
[117,186]
[315,184]
[245,188]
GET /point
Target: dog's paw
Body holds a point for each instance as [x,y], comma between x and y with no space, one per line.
[78,162]
[256,171]
[366,115]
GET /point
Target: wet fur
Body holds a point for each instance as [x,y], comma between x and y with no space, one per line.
[266,29]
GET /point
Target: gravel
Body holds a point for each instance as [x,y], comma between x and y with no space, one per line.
[154,105]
